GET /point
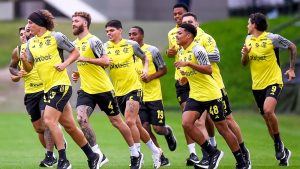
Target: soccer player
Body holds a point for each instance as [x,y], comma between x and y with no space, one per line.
[260,51]
[44,52]
[182,85]
[96,87]
[204,95]
[34,97]
[127,85]
[152,111]
[213,54]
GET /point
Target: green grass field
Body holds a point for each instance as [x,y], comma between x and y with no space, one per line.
[20,149]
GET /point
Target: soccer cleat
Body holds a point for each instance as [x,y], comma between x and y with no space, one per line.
[204,162]
[94,163]
[171,140]
[104,160]
[279,150]
[247,158]
[285,160]
[164,161]
[63,164]
[156,160]
[214,159]
[192,160]
[49,161]
[136,162]
[242,166]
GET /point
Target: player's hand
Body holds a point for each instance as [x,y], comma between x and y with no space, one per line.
[171,51]
[179,64]
[291,74]
[60,67]
[15,78]
[146,79]
[182,81]
[144,74]
[81,59]
[23,55]
[22,73]
[75,76]
[246,50]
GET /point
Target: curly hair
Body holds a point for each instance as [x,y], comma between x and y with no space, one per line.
[84,15]
[259,20]
[49,18]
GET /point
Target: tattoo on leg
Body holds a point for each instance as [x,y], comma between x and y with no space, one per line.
[84,113]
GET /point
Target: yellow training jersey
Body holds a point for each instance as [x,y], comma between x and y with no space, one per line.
[173,44]
[94,78]
[122,68]
[263,60]
[47,51]
[202,86]
[32,81]
[213,54]
[152,89]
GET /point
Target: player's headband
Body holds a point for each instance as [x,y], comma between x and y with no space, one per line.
[37,18]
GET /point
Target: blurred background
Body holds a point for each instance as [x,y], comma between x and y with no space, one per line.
[225,20]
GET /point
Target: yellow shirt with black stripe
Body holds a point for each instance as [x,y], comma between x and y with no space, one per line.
[45,52]
[122,69]
[32,81]
[94,78]
[263,60]
[203,87]
[152,89]
[173,44]
[213,54]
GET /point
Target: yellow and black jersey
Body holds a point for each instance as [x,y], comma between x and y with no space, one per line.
[47,51]
[152,89]
[203,87]
[32,81]
[173,44]
[213,54]
[94,78]
[264,59]
[122,68]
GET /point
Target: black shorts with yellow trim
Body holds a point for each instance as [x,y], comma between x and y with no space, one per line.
[106,101]
[182,92]
[260,96]
[152,112]
[136,95]
[34,103]
[58,96]
[213,107]
[226,104]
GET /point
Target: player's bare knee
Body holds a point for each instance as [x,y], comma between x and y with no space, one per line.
[130,122]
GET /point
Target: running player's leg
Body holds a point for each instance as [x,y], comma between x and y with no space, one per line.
[217,114]
[182,92]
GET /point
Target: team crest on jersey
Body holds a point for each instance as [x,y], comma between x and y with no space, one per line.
[48,42]
[125,50]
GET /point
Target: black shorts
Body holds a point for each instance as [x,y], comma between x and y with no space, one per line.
[34,103]
[152,112]
[260,96]
[182,92]
[58,96]
[213,107]
[226,104]
[106,101]
[136,95]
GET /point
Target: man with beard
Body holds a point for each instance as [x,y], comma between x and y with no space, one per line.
[96,87]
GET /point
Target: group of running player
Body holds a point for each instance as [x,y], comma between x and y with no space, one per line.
[132,87]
